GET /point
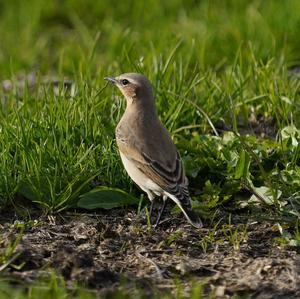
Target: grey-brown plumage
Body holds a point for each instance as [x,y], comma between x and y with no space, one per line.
[146,148]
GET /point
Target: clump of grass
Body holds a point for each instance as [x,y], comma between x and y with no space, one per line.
[210,62]
[57,287]
[55,147]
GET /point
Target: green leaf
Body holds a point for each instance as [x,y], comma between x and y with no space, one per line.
[264,193]
[105,198]
[34,189]
[191,167]
[292,135]
[242,168]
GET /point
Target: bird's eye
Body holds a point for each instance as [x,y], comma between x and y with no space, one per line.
[125,82]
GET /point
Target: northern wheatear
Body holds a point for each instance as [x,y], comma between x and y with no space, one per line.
[147,150]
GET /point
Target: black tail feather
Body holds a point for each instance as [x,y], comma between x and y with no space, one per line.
[184,203]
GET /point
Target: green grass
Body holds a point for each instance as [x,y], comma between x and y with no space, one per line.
[210,61]
[56,288]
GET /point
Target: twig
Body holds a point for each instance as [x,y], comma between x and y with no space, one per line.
[5,265]
[142,257]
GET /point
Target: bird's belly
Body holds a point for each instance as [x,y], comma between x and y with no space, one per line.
[139,177]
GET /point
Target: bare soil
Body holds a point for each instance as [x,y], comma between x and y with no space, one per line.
[107,250]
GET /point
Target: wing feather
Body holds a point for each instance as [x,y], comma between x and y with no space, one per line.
[172,178]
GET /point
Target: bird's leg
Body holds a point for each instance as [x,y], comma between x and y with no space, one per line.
[160,214]
[151,197]
[151,208]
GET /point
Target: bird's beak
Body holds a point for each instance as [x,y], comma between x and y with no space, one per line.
[111,79]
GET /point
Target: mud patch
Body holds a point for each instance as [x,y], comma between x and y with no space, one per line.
[107,250]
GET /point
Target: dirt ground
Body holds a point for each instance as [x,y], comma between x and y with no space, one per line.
[105,250]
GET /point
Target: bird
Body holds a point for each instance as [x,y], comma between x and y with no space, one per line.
[147,151]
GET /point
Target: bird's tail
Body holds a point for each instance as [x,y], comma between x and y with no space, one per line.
[191,216]
[184,204]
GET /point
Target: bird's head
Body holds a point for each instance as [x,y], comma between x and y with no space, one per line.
[135,87]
